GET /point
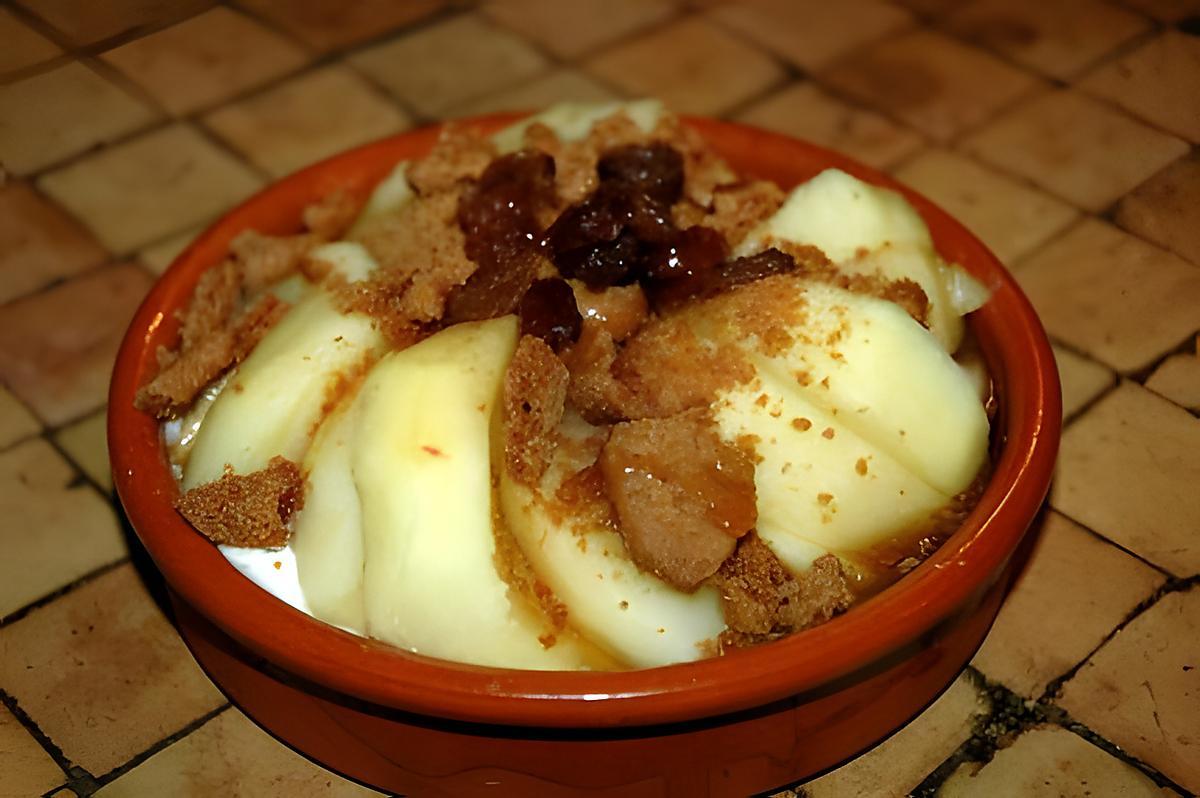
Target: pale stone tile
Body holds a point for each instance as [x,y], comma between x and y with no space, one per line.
[39,243]
[694,66]
[206,59]
[1113,296]
[1178,379]
[1010,217]
[571,29]
[23,46]
[932,82]
[561,85]
[902,761]
[142,190]
[103,673]
[1074,590]
[325,25]
[48,117]
[1128,469]
[1141,691]
[57,347]
[84,23]
[229,755]
[1076,147]
[27,768]
[16,422]
[1050,762]
[805,111]
[157,257]
[1082,379]
[308,118]
[447,64]
[1166,208]
[53,532]
[86,443]
[1159,82]
[1058,39]
[811,33]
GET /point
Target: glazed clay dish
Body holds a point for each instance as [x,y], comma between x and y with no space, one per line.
[752,719]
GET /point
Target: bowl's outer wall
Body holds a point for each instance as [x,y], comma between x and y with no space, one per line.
[1007,329]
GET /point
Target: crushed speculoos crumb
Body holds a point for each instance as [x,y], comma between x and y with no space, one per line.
[247,510]
[534,396]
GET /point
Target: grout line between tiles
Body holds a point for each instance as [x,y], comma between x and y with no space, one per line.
[159,746]
[76,775]
[21,612]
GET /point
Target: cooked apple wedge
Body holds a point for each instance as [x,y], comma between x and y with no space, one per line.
[422,465]
[572,121]
[274,401]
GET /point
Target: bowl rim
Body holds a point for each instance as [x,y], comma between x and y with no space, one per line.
[1029,424]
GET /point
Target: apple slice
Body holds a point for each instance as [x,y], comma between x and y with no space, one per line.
[421,462]
[572,121]
[274,401]
[635,616]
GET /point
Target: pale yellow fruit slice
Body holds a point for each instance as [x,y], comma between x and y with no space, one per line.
[273,403]
[421,463]
[327,532]
[633,615]
[572,121]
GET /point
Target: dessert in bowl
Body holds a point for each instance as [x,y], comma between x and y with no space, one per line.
[818,695]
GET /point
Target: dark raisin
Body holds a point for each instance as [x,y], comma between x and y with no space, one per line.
[655,170]
[499,217]
[617,262]
[548,311]
[755,267]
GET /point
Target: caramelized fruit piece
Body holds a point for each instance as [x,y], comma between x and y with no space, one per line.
[499,217]
[548,311]
[655,170]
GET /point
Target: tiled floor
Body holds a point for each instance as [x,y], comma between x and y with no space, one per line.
[1064,133]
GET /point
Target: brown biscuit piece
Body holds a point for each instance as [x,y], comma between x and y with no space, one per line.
[535,392]
[459,154]
[682,496]
[762,600]
[248,510]
[331,216]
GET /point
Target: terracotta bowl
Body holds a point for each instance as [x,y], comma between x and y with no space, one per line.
[751,721]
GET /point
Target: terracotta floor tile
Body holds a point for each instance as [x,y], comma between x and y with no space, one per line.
[1076,147]
[157,257]
[1074,590]
[229,755]
[23,46]
[16,422]
[694,66]
[1159,82]
[206,59]
[324,26]
[1010,217]
[84,23]
[1113,296]
[811,33]
[447,64]
[932,82]
[1050,762]
[903,760]
[1166,10]
[1058,39]
[1082,379]
[27,768]
[57,114]
[308,118]
[1155,715]
[1128,469]
[1166,208]
[557,86]
[39,243]
[86,443]
[805,111]
[145,189]
[57,347]
[103,673]
[1178,379]
[571,29]
[54,532]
